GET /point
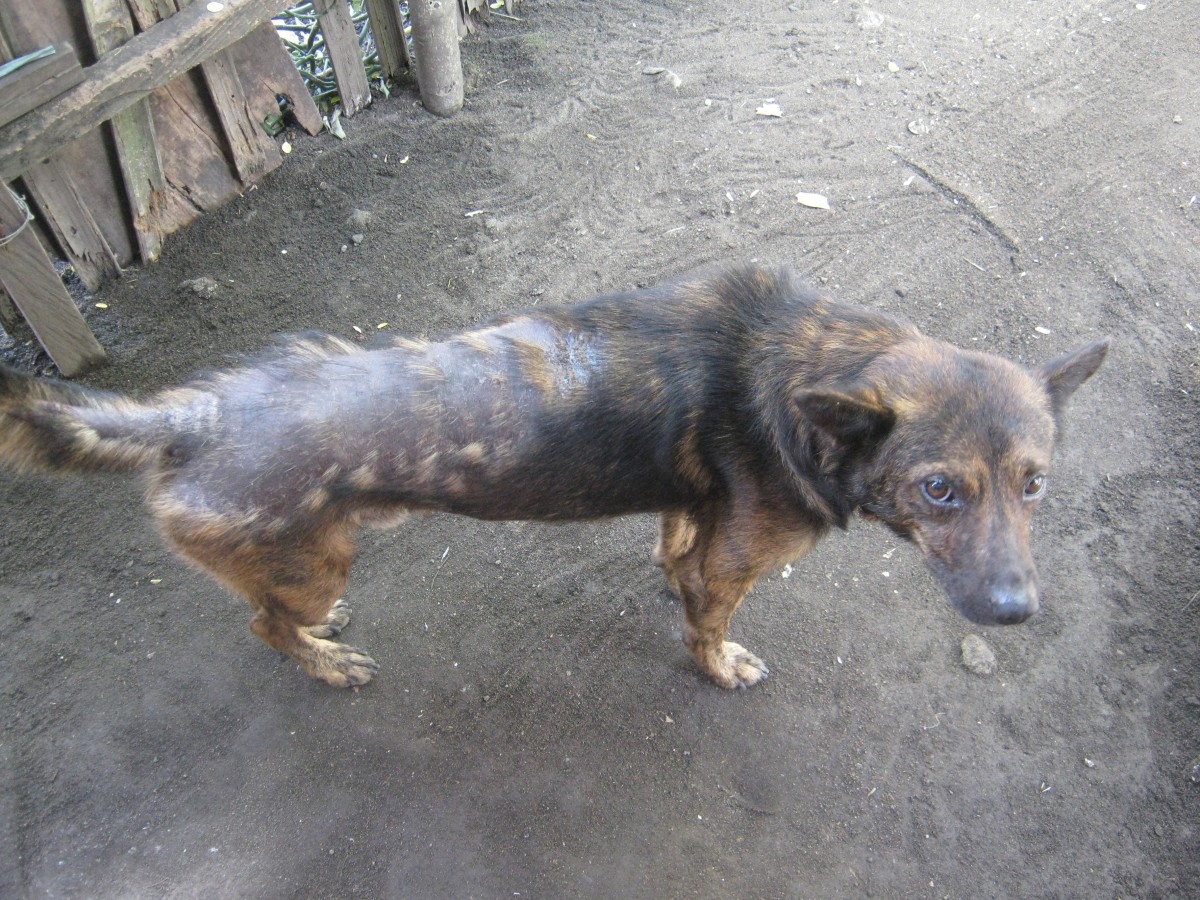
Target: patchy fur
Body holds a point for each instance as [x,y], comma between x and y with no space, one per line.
[751,413]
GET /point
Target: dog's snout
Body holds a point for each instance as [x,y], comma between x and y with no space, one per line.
[1011,605]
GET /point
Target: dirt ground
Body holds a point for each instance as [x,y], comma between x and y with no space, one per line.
[1015,176]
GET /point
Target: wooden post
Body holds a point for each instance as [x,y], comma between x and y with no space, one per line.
[435,45]
[388,27]
[341,42]
[29,279]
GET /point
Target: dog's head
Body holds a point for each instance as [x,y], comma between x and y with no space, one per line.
[951,449]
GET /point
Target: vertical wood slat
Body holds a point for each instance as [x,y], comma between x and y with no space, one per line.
[110,26]
[388,27]
[29,279]
[251,148]
[67,216]
[341,42]
[247,141]
[264,61]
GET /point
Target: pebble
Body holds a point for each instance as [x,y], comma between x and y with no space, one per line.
[357,238]
[204,286]
[977,656]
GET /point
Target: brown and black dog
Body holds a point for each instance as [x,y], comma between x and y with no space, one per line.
[750,412]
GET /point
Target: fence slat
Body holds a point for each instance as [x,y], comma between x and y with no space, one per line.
[388,27]
[110,26]
[341,42]
[66,214]
[127,75]
[29,279]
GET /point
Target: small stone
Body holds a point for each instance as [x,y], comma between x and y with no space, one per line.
[977,656]
[204,286]
[357,238]
[893,68]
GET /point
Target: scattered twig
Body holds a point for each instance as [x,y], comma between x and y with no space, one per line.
[433,580]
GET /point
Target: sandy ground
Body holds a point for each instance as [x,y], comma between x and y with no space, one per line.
[1015,176]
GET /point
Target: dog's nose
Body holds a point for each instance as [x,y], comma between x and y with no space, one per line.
[1011,605]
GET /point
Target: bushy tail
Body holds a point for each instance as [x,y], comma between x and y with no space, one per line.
[52,426]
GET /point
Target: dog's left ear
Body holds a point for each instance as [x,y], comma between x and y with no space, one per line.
[1064,375]
[849,420]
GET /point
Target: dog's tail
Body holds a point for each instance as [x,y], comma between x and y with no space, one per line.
[53,426]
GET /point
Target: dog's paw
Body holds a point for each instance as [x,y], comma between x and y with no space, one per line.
[338,618]
[737,667]
[341,665]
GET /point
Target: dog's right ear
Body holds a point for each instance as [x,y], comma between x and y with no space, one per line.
[847,420]
[1064,375]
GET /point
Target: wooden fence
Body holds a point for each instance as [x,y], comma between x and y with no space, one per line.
[121,121]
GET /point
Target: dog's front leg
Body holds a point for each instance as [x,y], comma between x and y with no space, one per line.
[707,613]
[711,558]
[711,580]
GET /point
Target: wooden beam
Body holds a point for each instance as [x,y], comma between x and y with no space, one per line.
[128,74]
[341,43]
[388,27]
[263,61]
[111,26]
[36,82]
[28,277]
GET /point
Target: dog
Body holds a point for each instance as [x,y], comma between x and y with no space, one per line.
[749,411]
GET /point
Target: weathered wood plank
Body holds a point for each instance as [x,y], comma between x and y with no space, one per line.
[388,27]
[341,43]
[128,74]
[28,277]
[90,159]
[71,222]
[254,153]
[262,59]
[36,82]
[67,216]
[110,26]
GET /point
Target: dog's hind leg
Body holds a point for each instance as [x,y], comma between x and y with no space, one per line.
[676,537]
[292,581]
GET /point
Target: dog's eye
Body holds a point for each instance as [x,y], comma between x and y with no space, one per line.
[938,490]
[1035,487]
